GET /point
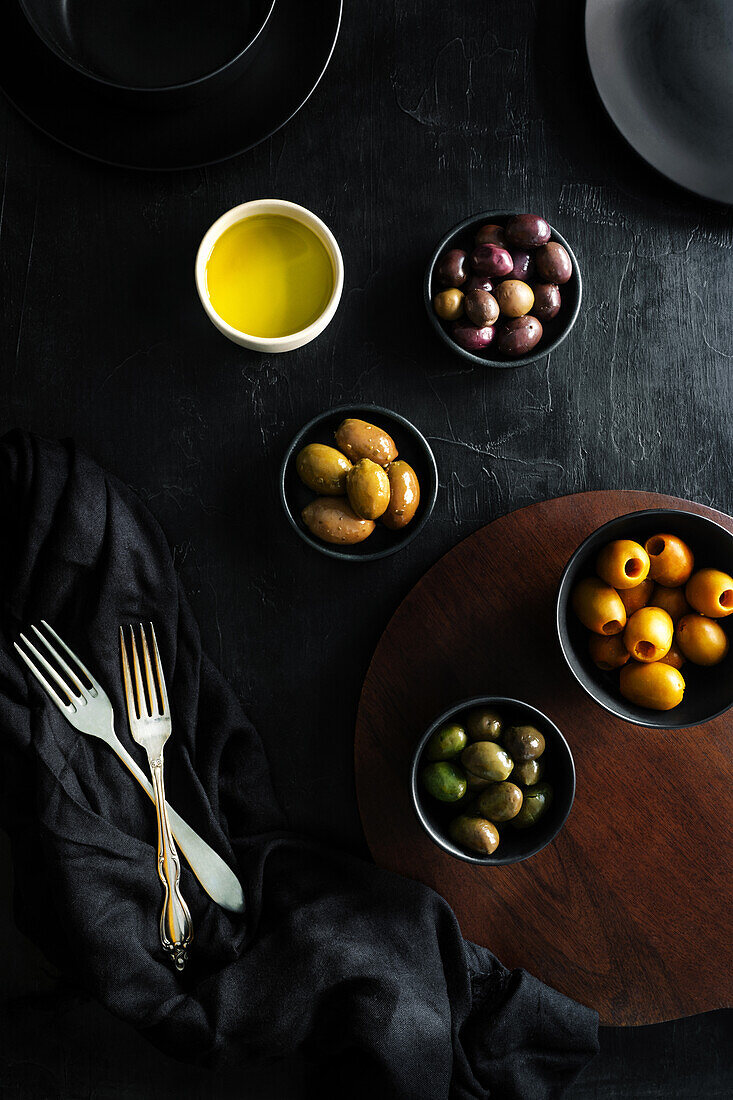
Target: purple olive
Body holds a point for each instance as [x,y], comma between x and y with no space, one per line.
[527,231]
[489,259]
[519,336]
[478,282]
[471,338]
[451,268]
[547,301]
[491,234]
[523,264]
[553,264]
[481,307]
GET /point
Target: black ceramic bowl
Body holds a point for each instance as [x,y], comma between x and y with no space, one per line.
[412,446]
[554,332]
[708,691]
[515,844]
[170,53]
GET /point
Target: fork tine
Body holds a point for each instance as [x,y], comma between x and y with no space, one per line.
[73,656]
[159,673]
[153,698]
[60,661]
[63,704]
[54,674]
[142,702]
[129,691]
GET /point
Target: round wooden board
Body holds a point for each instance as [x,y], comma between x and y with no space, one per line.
[628,910]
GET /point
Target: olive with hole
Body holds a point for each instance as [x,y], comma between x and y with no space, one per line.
[481,307]
[404,495]
[487,760]
[528,772]
[452,268]
[323,469]
[598,606]
[447,742]
[500,801]
[524,743]
[553,263]
[484,724]
[475,833]
[519,336]
[359,439]
[623,563]
[334,520]
[444,780]
[648,634]
[710,591]
[537,801]
[547,301]
[527,231]
[448,304]
[670,560]
[367,486]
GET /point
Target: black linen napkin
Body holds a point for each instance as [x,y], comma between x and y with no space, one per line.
[361,971]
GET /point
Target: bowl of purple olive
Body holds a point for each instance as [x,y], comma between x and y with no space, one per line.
[503,289]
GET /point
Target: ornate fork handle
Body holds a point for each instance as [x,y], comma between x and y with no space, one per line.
[176,928]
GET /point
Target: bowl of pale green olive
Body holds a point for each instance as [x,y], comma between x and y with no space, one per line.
[493,780]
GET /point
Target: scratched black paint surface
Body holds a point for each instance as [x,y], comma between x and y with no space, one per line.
[429,112]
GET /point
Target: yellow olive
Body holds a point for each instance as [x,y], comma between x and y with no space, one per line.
[671,600]
[404,495]
[448,304]
[332,519]
[598,606]
[657,686]
[702,640]
[648,634]
[634,598]
[674,656]
[475,833]
[711,593]
[670,560]
[608,652]
[623,564]
[367,485]
[323,469]
[359,439]
[515,298]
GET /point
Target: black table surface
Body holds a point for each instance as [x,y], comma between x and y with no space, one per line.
[429,112]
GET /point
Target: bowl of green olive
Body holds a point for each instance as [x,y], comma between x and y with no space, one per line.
[493,780]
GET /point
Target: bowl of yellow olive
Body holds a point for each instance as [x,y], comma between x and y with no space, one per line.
[493,780]
[502,289]
[645,618]
[358,482]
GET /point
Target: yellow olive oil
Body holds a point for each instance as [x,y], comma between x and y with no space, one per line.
[269,275]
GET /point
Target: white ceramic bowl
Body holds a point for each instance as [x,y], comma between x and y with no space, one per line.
[272,344]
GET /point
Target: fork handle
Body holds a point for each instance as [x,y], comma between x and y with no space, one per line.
[176,928]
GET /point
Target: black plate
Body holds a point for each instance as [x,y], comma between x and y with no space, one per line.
[295,52]
[514,844]
[412,446]
[708,691]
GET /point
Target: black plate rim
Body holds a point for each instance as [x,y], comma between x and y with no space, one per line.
[499,364]
[429,502]
[192,165]
[437,838]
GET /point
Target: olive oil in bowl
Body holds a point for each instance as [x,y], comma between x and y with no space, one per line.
[269,276]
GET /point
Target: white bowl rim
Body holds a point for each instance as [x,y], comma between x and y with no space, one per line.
[299,213]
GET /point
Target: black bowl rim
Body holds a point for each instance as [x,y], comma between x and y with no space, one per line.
[435,836]
[560,625]
[146,90]
[500,364]
[412,531]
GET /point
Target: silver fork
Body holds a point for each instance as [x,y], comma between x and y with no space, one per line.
[150,724]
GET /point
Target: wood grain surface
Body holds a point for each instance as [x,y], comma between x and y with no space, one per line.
[628,910]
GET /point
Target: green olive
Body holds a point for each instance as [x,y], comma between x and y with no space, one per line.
[487,760]
[474,833]
[359,439]
[323,469]
[528,772]
[367,486]
[483,724]
[537,801]
[446,742]
[524,743]
[444,781]
[500,801]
